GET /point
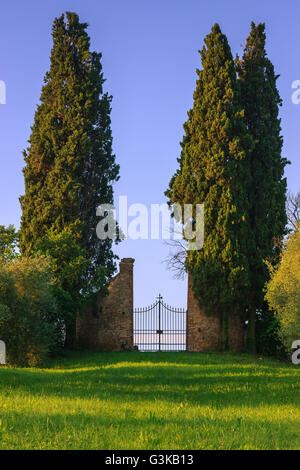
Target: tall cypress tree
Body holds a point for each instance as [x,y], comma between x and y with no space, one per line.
[267,189]
[213,169]
[70,167]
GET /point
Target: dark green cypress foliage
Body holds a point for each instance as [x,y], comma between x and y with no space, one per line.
[70,167]
[267,190]
[213,169]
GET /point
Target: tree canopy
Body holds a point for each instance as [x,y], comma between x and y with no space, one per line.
[70,167]
[266,184]
[214,170]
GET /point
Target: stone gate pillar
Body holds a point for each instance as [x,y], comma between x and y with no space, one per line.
[203,330]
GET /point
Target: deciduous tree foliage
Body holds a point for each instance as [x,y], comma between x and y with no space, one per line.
[283,290]
[8,242]
[29,319]
[70,167]
[213,169]
[266,185]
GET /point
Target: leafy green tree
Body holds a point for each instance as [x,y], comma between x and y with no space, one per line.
[8,242]
[70,167]
[69,264]
[213,169]
[266,185]
[283,290]
[29,321]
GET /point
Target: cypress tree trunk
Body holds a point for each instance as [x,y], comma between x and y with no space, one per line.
[70,342]
[251,328]
[223,334]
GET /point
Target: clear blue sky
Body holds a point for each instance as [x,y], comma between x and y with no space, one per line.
[150,54]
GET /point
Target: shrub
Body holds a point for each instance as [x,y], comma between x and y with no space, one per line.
[268,341]
[283,291]
[29,323]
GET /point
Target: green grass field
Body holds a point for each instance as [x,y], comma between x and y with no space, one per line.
[151,401]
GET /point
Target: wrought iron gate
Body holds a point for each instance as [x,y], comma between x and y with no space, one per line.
[159,327]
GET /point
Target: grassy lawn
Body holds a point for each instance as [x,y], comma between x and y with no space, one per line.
[151,401]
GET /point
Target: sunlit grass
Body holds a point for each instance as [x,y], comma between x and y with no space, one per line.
[151,401]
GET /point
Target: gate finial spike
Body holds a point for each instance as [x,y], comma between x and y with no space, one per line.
[159,297]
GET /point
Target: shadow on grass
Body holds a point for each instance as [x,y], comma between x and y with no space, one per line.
[208,379]
[90,359]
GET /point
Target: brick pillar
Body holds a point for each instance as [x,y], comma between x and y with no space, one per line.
[203,330]
[124,302]
[109,325]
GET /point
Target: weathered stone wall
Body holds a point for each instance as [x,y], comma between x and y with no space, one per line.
[108,326]
[203,330]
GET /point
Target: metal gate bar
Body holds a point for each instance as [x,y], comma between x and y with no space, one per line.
[159,327]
